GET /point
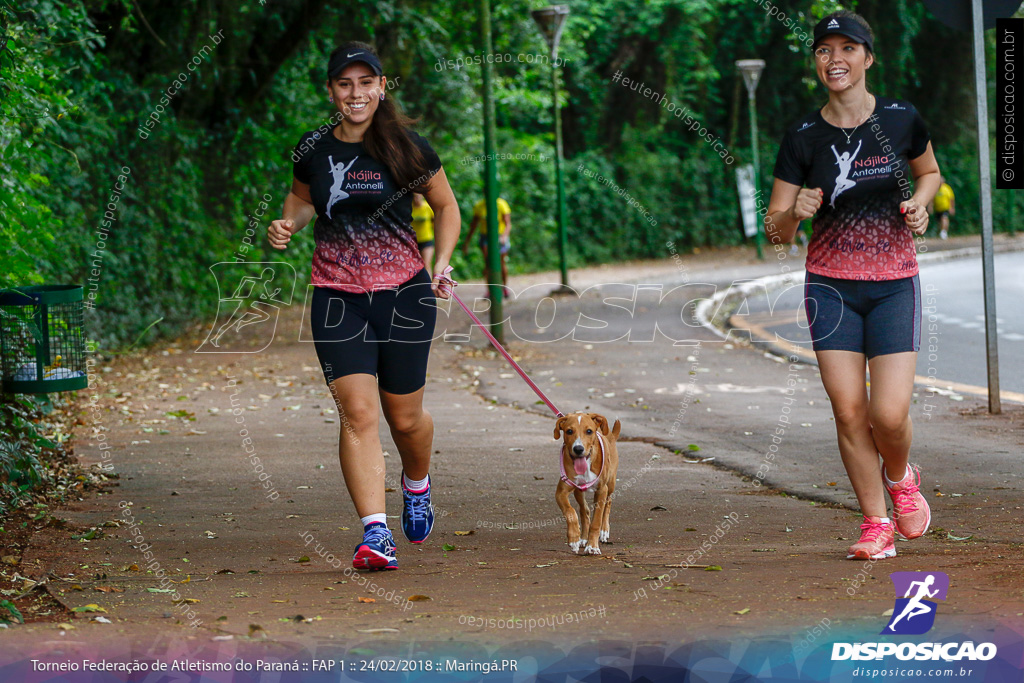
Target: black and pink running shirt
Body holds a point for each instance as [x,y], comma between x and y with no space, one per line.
[363,231]
[858,233]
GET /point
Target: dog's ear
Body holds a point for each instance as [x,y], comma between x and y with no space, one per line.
[602,423]
[559,427]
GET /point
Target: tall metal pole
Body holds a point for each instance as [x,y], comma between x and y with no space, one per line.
[562,235]
[752,100]
[491,183]
[987,259]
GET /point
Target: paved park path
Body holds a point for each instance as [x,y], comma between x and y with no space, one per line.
[251,560]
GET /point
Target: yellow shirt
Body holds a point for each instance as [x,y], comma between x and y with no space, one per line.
[480,211]
[423,222]
[943,198]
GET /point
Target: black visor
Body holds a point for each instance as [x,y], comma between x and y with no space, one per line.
[844,26]
[343,58]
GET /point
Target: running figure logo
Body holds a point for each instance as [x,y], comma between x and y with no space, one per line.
[914,613]
[338,171]
[250,295]
[845,162]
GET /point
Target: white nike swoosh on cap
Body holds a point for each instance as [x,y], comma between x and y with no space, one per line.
[352,55]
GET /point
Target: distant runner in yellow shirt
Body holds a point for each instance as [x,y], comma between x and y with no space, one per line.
[944,206]
[504,237]
[423,224]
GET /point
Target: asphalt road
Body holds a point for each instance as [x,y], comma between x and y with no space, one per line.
[953,325]
[958,291]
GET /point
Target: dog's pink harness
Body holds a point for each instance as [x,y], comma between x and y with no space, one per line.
[570,482]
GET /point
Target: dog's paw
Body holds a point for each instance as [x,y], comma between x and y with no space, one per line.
[575,547]
[604,536]
[591,550]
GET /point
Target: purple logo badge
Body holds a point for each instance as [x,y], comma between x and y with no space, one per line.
[914,611]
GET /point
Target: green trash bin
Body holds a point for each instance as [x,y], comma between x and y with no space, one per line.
[42,340]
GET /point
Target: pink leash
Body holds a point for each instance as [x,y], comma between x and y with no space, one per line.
[448,285]
[450,289]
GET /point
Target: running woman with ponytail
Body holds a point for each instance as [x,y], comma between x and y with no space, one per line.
[373,303]
[848,168]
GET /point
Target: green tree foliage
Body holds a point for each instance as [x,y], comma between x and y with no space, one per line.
[79,79]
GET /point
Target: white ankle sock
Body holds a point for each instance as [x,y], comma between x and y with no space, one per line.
[883,520]
[890,482]
[380,517]
[416,485]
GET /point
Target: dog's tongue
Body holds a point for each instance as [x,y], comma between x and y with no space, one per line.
[580,465]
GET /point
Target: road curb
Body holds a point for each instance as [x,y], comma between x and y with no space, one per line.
[770,282]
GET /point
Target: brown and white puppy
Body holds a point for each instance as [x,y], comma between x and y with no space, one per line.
[583,462]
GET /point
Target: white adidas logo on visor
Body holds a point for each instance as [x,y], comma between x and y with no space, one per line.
[833,24]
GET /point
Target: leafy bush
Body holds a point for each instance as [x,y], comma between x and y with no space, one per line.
[22,447]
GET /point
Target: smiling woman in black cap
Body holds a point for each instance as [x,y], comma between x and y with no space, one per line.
[848,167]
[373,305]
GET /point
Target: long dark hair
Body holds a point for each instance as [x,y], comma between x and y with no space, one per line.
[387,139]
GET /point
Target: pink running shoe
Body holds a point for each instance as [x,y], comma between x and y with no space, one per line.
[910,510]
[877,541]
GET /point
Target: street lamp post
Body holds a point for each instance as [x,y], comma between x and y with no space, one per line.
[751,70]
[551,21]
[491,185]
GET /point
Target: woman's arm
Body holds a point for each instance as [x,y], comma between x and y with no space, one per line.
[925,170]
[789,205]
[447,224]
[298,212]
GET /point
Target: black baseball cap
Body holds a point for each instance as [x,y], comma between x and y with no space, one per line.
[342,58]
[844,26]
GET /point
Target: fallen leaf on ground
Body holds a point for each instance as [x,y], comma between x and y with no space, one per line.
[447,546]
[463,533]
[377,630]
[92,607]
[418,598]
[742,611]
[367,600]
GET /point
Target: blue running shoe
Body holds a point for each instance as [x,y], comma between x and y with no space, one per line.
[417,513]
[377,551]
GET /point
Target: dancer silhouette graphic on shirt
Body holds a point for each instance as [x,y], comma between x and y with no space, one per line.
[914,606]
[338,171]
[843,182]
